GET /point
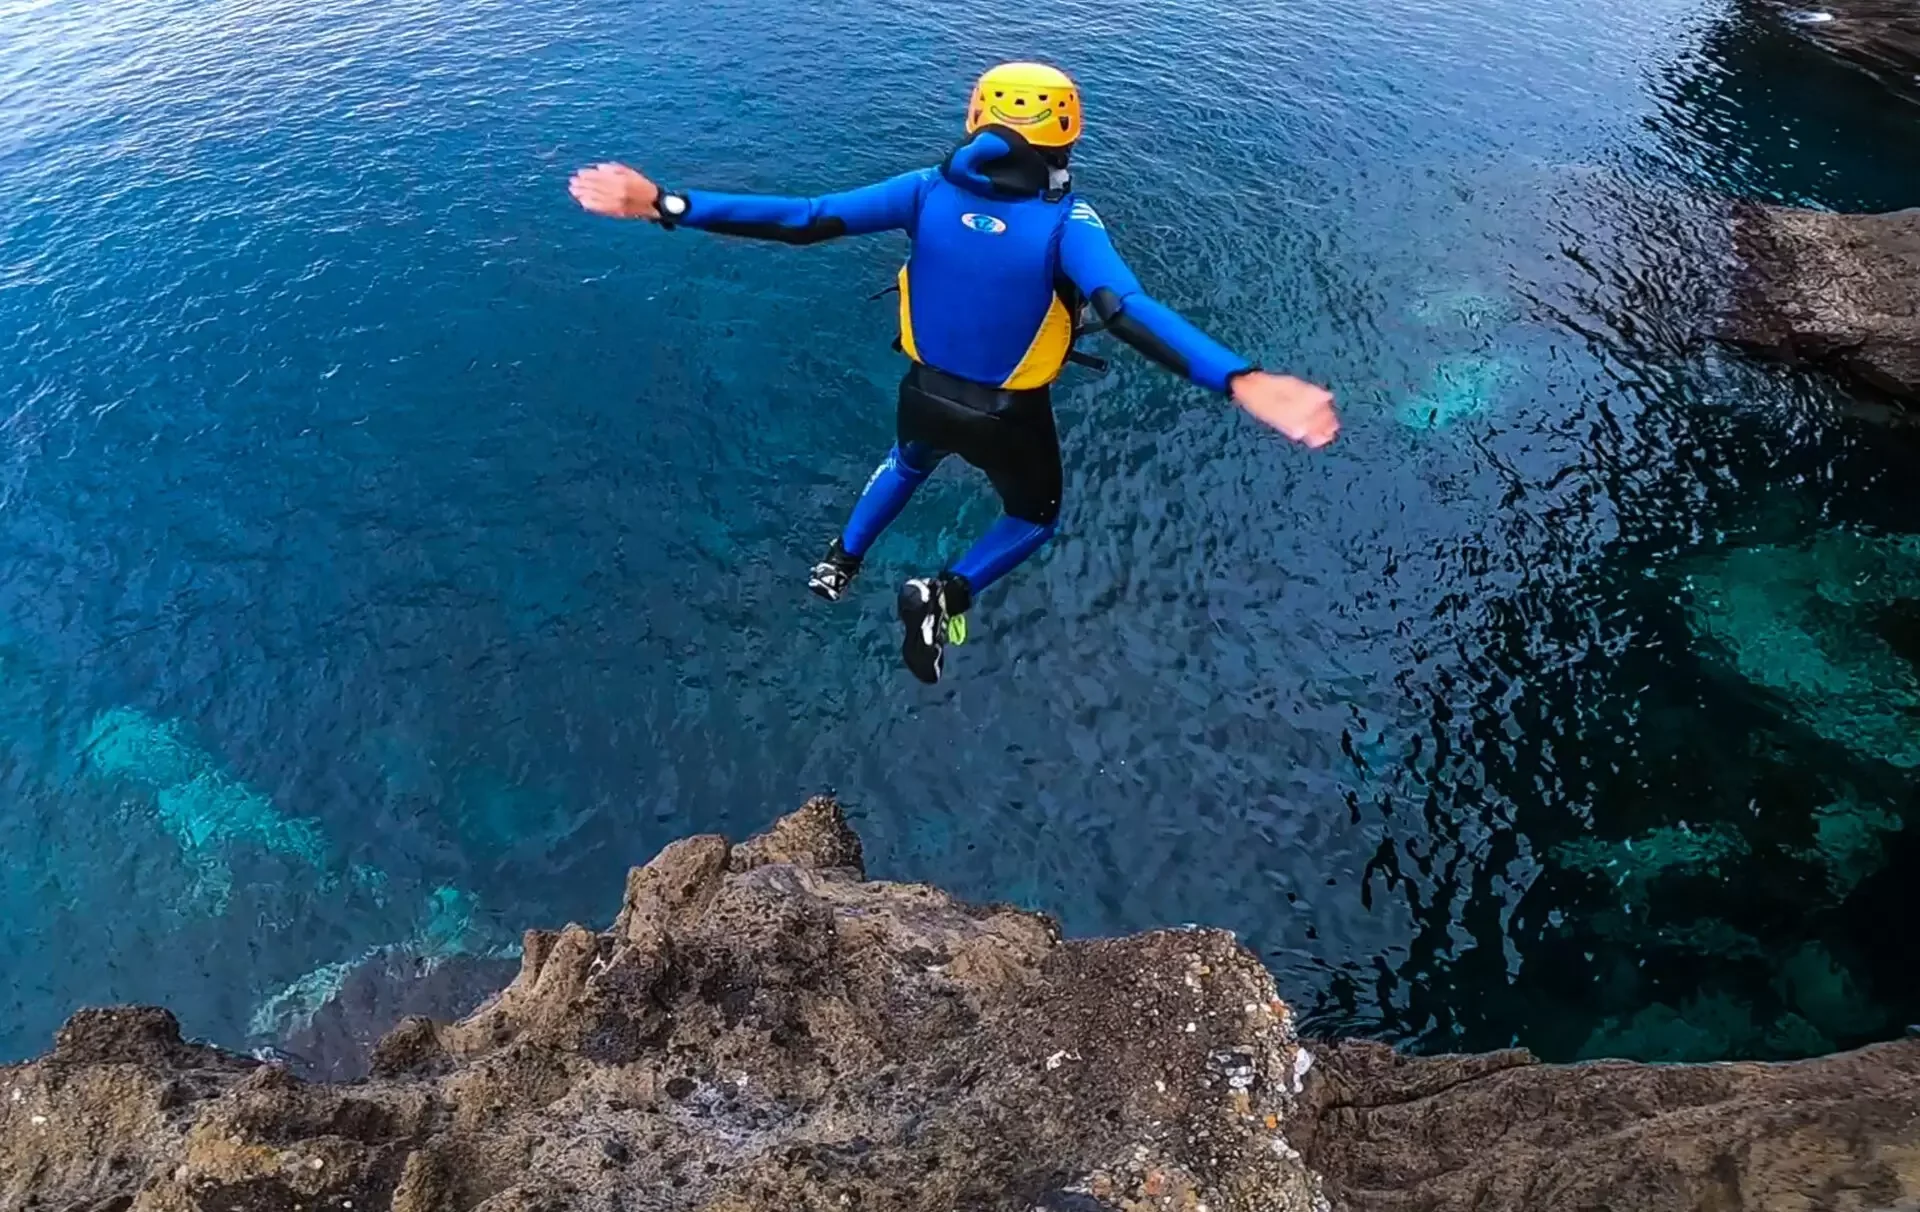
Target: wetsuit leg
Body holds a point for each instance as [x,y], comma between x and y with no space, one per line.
[1025,470]
[905,468]
[1010,436]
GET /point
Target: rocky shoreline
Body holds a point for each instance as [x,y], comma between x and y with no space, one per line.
[1840,292]
[1836,291]
[763,1027]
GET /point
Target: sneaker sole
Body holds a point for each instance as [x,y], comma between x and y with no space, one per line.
[922,659]
[822,590]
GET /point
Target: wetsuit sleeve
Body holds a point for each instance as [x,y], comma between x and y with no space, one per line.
[886,206]
[1089,259]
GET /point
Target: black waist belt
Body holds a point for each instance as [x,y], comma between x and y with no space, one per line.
[977,396]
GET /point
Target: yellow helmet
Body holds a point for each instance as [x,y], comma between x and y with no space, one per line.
[1040,102]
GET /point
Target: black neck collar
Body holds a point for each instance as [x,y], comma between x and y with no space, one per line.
[998,161]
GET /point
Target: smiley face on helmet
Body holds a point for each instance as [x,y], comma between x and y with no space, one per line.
[1040,102]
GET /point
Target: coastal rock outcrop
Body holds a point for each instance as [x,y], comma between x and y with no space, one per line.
[1835,290]
[1499,1132]
[762,1027]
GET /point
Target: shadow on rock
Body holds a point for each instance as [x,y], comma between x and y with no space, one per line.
[334,1041]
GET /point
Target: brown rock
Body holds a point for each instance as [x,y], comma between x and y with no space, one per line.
[676,885]
[118,1084]
[1833,290]
[817,837]
[762,1028]
[413,1046]
[129,1035]
[1391,1133]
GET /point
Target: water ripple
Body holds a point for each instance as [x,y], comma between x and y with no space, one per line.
[409,539]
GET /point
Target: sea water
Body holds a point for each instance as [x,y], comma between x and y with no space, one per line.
[391,554]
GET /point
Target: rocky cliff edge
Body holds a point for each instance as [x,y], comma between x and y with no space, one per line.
[764,1028]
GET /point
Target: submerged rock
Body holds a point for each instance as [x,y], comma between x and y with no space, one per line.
[1848,842]
[326,1023]
[764,1028]
[1804,621]
[1634,865]
[202,807]
[1711,1025]
[1464,306]
[1834,290]
[1458,389]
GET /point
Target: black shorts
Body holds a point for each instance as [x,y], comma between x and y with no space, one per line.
[1007,434]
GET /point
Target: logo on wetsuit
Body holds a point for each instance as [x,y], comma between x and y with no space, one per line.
[985,224]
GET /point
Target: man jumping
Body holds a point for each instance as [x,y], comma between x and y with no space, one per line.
[1005,256]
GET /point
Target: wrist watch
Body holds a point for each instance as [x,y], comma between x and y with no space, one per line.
[672,206]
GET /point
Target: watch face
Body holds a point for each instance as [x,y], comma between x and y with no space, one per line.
[674,204]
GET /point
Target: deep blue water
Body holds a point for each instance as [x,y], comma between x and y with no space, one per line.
[390,551]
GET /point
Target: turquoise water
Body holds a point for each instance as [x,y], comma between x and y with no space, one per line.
[393,554]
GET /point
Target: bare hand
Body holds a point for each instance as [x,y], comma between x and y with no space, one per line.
[616,191]
[1294,407]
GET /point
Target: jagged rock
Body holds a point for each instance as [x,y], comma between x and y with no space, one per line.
[1834,290]
[761,1028]
[817,836]
[764,1029]
[79,1127]
[1392,1133]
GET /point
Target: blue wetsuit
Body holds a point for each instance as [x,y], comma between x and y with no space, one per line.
[1003,254]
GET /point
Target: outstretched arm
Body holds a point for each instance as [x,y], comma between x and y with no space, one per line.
[1298,409]
[622,193]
